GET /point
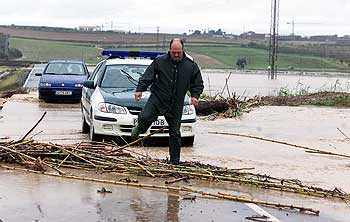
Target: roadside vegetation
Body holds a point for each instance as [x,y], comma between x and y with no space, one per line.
[12,78]
[233,106]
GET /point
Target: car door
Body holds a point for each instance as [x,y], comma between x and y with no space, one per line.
[87,92]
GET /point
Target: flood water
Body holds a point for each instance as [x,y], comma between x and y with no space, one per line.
[249,85]
[27,197]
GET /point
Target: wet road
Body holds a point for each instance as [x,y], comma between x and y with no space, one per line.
[308,126]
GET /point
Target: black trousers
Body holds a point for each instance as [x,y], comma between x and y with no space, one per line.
[149,114]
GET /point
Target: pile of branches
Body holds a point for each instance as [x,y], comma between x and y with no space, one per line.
[108,157]
[229,107]
[225,104]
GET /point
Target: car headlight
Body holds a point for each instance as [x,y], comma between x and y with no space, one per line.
[188,110]
[45,84]
[110,108]
[79,85]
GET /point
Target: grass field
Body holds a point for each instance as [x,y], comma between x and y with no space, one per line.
[43,50]
[258,58]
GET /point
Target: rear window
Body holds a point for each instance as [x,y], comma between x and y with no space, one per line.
[65,69]
[122,76]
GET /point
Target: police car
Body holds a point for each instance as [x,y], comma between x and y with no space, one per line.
[108,104]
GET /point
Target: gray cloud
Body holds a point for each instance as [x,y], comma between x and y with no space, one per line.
[179,16]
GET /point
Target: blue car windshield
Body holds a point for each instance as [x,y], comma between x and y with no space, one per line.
[122,76]
[64,68]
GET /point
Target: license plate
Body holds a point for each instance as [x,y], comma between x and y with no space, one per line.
[158,122]
[63,93]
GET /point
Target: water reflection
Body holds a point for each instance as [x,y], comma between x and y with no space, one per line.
[173,206]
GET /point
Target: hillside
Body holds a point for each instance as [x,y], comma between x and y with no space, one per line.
[43,44]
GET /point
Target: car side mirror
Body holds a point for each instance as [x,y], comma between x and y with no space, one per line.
[38,74]
[89,84]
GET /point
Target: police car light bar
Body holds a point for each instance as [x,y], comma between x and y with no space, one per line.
[123,54]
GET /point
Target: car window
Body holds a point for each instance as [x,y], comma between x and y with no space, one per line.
[92,77]
[99,73]
[65,68]
[122,76]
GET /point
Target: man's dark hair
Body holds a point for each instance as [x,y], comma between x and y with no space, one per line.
[172,40]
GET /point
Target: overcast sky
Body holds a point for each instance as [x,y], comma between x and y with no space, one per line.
[311,17]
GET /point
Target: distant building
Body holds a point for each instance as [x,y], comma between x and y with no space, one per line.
[252,36]
[290,38]
[89,28]
[323,38]
[345,40]
[4,46]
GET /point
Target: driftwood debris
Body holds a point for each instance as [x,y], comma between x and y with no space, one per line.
[97,156]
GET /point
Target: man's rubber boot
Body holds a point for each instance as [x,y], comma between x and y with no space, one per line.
[135,132]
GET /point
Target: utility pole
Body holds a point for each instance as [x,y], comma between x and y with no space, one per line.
[273,44]
[300,23]
[157,37]
[292,23]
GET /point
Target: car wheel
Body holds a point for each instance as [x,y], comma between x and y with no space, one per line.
[187,141]
[85,128]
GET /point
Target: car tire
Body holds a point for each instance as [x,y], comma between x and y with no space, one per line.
[85,128]
[187,141]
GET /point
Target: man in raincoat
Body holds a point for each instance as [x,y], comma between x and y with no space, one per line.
[170,76]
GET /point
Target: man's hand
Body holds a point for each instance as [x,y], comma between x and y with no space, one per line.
[138,96]
[194,101]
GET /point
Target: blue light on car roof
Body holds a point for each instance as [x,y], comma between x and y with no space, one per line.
[123,54]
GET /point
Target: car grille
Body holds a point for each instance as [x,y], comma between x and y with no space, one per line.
[154,128]
[136,111]
[128,128]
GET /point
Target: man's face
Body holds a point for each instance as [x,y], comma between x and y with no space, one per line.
[176,51]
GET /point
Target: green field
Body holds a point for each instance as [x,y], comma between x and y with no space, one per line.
[258,58]
[43,50]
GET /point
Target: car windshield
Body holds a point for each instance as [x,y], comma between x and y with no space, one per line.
[65,69]
[122,76]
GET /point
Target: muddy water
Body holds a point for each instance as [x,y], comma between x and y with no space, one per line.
[31,197]
[45,199]
[247,84]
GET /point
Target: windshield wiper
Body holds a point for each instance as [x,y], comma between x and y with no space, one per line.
[128,90]
[132,80]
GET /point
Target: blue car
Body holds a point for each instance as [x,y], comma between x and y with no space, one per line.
[62,80]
